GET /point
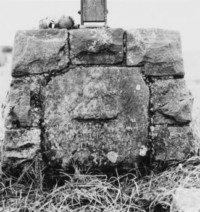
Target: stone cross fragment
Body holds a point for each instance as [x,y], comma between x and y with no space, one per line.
[93,11]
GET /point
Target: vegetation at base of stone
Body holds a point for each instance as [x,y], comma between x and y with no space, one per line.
[98,193]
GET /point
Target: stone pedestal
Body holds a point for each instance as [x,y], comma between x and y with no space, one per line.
[97,97]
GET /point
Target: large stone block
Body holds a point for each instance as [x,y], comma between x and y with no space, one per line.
[158,50]
[171,102]
[21,145]
[97,46]
[164,69]
[172,143]
[40,51]
[74,97]
[24,103]
[96,115]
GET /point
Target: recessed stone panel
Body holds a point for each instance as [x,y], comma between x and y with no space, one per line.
[90,112]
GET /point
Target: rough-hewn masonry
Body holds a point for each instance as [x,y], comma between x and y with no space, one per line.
[96,97]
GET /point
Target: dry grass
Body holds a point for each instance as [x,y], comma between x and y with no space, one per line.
[98,193]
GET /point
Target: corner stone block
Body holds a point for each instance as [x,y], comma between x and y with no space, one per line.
[171,102]
[157,49]
[172,143]
[96,46]
[21,145]
[23,108]
[40,51]
[96,115]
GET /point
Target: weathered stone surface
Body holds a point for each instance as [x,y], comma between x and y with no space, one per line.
[96,46]
[171,102]
[164,69]
[159,50]
[21,145]
[96,115]
[39,51]
[172,142]
[23,108]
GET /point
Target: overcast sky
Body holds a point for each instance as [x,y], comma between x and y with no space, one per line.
[182,15]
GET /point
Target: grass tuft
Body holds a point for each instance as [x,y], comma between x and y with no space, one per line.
[81,193]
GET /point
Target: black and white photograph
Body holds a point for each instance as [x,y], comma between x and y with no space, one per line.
[99,106]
